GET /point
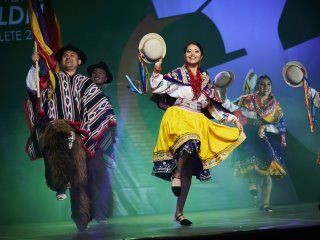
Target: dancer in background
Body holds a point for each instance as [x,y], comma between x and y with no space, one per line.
[98,168]
[261,156]
[100,74]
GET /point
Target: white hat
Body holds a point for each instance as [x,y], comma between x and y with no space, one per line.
[294,73]
[250,81]
[152,47]
[223,79]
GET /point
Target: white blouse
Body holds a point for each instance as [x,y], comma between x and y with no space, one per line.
[185,94]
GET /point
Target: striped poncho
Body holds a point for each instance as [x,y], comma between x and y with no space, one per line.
[79,101]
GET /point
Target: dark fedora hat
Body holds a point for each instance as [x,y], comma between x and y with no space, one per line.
[82,56]
[102,65]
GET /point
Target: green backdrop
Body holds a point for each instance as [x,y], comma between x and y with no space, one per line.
[110,31]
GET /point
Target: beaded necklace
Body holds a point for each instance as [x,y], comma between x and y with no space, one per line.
[195,81]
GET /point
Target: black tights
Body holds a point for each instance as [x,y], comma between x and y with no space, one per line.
[183,171]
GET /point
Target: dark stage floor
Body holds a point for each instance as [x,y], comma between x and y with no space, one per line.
[302,220]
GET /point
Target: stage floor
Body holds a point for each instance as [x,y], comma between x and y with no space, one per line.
[219,224]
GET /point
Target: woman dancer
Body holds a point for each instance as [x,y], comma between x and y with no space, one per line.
[188,142]
[261,156]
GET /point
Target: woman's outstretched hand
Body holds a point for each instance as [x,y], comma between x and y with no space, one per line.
[158,63]
[157,67]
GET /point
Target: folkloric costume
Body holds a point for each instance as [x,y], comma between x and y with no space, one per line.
[75,103]
[77,100]
[262,154]
[100,186]
[184,128]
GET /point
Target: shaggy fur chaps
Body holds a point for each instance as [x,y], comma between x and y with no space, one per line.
[65,162]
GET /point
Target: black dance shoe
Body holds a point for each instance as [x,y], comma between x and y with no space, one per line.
[183,221]
[176,189]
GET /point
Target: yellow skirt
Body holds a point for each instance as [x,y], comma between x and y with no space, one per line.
[179,126]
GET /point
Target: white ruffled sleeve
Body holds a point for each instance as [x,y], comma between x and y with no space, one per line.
[160,86]
[227,104]
[232,107]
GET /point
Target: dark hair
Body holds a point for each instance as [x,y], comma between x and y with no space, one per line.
[102,65]
[260,79]
[193,43]
[263,77]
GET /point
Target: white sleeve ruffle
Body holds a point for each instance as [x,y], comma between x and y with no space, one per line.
[160,86]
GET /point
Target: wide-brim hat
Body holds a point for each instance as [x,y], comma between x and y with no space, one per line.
[251,76]
[250,80]
[223,79]
[294,73]
[82,56]
[102,65]
[152,47]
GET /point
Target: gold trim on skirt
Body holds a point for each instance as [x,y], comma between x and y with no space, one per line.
[275,170]
[179,125]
